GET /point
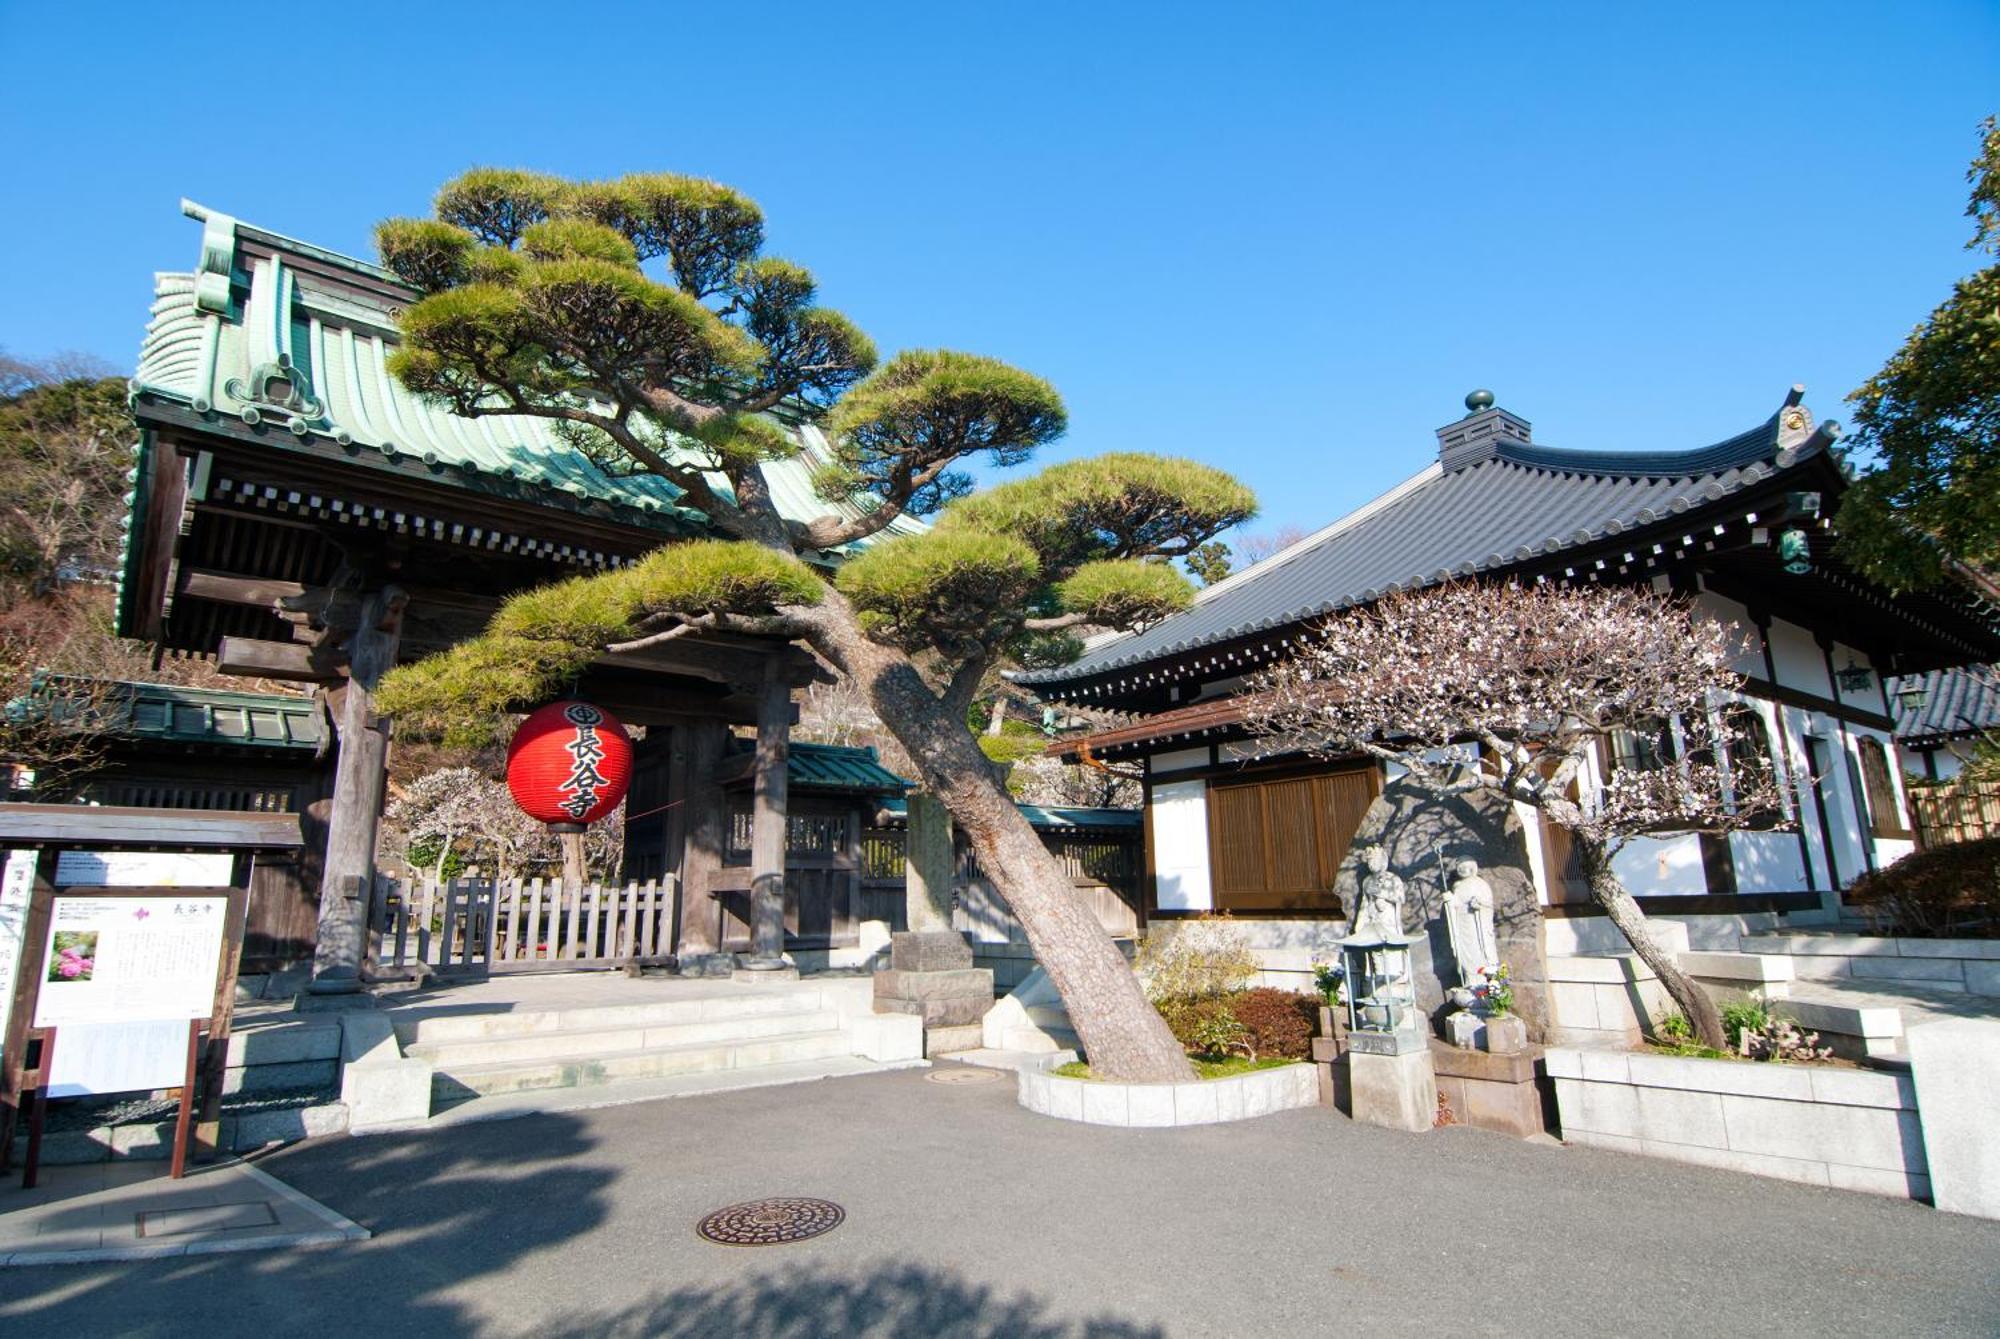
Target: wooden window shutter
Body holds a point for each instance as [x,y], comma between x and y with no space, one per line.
[1236,845]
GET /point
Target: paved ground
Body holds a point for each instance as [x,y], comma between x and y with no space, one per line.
[134,1210]
[966,1216]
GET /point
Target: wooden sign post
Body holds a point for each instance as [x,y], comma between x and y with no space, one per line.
[129,980]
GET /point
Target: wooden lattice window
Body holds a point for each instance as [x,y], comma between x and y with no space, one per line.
[1885,816]
[1277,844]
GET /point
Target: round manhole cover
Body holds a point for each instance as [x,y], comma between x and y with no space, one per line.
[965,1075]
[771,1222]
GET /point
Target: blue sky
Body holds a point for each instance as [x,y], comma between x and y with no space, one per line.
[1283,239]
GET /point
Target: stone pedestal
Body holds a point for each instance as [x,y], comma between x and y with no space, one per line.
[1396,1091]
[1489,1091]
[931,975]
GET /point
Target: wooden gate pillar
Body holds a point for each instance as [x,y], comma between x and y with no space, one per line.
[769,827]
[360,777]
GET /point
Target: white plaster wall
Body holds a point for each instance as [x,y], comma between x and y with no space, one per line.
[1734,614]
[1799,661]
[1662,867]
[1842,812]
[1767,862]
[1180,845]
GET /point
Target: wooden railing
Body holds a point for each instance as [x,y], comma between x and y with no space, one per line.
[467,926]
[1958,811]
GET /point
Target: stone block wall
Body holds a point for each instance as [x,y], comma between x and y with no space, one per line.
[1868,961]
[1843,1128]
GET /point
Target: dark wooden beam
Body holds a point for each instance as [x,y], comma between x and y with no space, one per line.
[123,826]
[253,659]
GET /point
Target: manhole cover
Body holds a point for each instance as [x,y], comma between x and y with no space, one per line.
[965,1075]
[771,1222]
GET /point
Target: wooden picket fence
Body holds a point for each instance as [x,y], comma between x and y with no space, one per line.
[467,927]
[1956,812]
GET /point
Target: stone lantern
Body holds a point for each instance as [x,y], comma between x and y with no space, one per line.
[1382,1015]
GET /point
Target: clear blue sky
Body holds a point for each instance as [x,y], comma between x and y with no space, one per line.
[1284,239]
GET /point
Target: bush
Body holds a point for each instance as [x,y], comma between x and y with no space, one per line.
[1275,1022]
[1947,892]
[1194,960]
[1203,1025]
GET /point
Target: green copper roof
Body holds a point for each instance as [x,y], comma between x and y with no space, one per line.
[182,715]
[294,339]
[832,767]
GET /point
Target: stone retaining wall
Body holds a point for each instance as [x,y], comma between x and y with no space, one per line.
[1206,1102]
[1849,1129]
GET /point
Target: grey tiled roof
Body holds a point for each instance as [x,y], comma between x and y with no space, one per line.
[1514,503]
[1957,702]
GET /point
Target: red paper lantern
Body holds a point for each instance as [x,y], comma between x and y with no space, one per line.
[569,764]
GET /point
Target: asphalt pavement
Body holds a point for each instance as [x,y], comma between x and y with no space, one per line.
[968,1216]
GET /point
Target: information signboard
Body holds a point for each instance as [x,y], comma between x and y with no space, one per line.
[131,959]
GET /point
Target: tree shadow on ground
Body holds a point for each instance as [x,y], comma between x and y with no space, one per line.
[447,1208]
[886,1300]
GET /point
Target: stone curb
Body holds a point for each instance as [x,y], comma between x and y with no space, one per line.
[1157,1105]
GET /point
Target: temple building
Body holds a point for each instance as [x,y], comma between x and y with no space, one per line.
[1744,527]
[296,514]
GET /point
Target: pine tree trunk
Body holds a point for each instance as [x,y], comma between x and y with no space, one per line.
[572,853]
[1610,893]
[1123,1034]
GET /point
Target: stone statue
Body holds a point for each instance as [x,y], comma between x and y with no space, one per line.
[1381,911]
[1468,920]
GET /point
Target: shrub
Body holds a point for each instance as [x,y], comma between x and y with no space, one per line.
[1741,1016]
[1194,960]
[1203,1025]
[1275,1022]
[1946,892]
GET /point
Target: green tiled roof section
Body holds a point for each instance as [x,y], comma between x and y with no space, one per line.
[210,329]
[833,767]
[199,715]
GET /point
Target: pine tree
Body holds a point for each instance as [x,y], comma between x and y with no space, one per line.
[539,300]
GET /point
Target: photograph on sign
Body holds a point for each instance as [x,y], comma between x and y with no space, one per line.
[130,960]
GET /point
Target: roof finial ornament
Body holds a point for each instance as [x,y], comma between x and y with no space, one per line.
[1478,400]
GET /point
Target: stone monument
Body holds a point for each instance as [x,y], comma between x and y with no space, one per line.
[1475,951]
[930,971]
[1423,837]
[1389,1075]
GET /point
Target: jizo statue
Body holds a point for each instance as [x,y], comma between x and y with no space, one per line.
[1381,911]
[1468,919]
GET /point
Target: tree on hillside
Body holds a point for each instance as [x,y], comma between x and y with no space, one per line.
[1929,423]
[65,445]
[1508,691]
[641,314]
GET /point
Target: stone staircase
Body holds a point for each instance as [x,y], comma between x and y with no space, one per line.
[488,1054]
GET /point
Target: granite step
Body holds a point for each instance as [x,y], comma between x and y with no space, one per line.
[449,1027]
[586,1068]
[563,1044]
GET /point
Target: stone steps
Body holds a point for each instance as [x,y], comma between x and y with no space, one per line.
[455,1027]
[539,1044]
[455,1080]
